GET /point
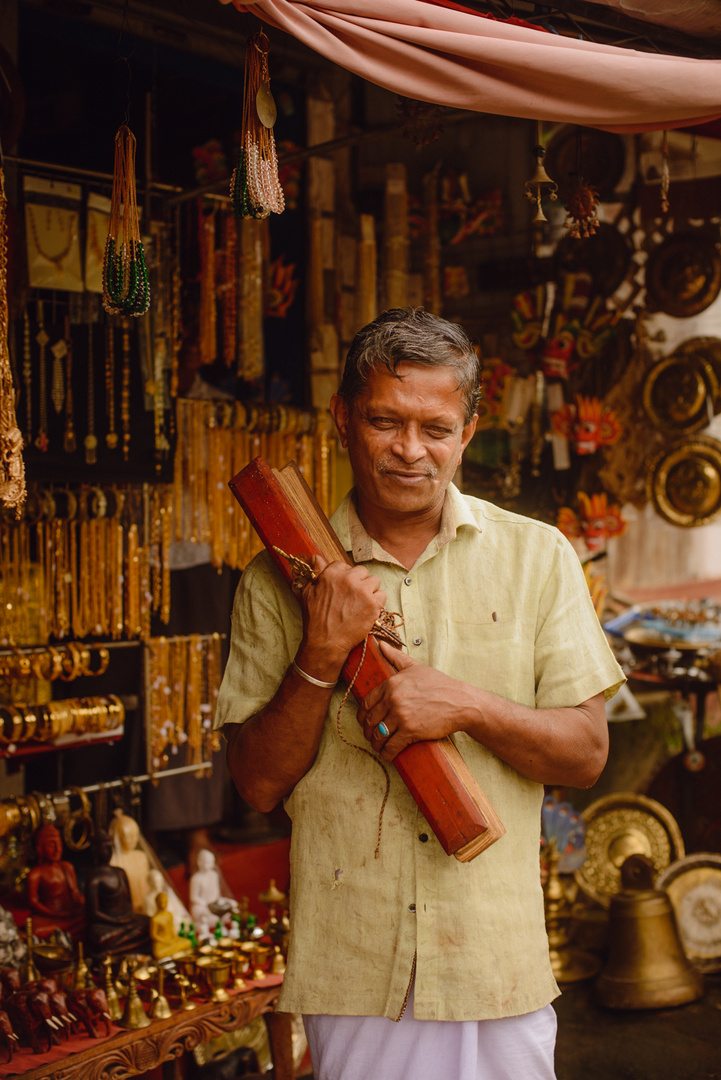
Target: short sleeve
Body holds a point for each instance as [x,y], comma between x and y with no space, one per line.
[265,633]
[573,660]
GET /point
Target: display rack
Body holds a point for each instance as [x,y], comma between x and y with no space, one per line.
[130,1053]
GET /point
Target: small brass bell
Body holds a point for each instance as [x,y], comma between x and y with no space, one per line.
[134,1015]
[540,184]
[646,966]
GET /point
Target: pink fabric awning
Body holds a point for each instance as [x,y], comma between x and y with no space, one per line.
[438,51]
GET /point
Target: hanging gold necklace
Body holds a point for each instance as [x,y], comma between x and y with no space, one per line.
[27,377]
[90,441]
[58,259]
[125,391]
[111,439]
[69,437]
[42,339]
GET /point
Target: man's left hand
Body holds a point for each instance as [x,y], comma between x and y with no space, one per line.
[415,704]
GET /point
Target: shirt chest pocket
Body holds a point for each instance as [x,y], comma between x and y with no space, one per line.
[494,655]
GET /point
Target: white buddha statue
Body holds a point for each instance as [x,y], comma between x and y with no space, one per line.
[205,890]
[124,832]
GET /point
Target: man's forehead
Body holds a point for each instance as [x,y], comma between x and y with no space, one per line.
[439,383]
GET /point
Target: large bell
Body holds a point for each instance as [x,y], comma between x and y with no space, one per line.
[646,966]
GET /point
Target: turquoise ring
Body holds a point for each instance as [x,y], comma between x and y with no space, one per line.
[383,730]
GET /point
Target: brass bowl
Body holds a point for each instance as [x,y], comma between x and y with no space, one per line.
[52,959]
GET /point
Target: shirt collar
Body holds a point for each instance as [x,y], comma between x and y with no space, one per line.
[363,548]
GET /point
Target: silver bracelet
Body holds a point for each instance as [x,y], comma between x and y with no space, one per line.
[310,679]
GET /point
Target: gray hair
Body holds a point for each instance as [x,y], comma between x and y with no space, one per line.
[412,336]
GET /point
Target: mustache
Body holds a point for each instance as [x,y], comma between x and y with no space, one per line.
[391,464]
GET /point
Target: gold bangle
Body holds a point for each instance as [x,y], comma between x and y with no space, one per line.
[116,712]
[33,809]
[104,658]
[30,722]
[12,724]
[61,717]
[47,810]
[43,729]
[23,669]
[79,818]
[71,662]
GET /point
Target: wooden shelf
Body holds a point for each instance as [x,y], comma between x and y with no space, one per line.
[130,1053]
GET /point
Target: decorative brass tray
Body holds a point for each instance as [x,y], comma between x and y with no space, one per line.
[620,825]
[679,393]
[708,349]
[683,275]
[693,884]
[684,482]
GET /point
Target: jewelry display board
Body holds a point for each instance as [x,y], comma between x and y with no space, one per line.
[130,1053]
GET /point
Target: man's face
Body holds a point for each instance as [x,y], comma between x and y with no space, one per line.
[405,437]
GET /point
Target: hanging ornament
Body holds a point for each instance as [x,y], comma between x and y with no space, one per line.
[255,189]
[126,290]
[581,210]
[540,184]
[582,201]
[12,466]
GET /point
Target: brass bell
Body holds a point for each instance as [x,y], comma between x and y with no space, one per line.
[646,966]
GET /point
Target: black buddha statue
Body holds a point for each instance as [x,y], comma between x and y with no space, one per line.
[113,926]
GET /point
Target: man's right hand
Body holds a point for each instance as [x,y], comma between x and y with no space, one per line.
[339,609]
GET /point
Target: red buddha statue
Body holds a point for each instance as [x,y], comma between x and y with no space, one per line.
[53,894]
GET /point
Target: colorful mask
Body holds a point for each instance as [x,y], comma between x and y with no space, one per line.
[588,423]
[596,521]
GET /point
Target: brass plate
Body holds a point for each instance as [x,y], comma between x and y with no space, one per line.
[684,483]
[683,275]
[693,884]
[709,349]
[679,393]
[620,825]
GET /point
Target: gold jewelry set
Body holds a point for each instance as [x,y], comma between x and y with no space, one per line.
[88,561]
[24,673]
[182,679]
[215,440]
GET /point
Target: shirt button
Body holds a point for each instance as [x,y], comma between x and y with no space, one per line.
[417,640]
[411,907]
[423,838]
[407,580]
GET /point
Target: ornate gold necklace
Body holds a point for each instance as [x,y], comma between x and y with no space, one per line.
[58,259]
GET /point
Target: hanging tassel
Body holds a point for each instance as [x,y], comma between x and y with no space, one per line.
[255,188]
[126,290]
[665,175]
[12,466]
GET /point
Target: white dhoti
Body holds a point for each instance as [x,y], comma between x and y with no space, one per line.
[375,1048]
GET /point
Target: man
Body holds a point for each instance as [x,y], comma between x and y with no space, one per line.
[505,653]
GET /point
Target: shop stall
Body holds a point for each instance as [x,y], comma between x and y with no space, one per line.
[198,211]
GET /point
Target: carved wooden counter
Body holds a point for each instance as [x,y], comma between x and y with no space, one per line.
[129,1053]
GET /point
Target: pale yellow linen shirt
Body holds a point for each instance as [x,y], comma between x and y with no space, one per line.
[496,600]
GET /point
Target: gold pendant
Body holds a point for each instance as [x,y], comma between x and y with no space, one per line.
[265,105]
